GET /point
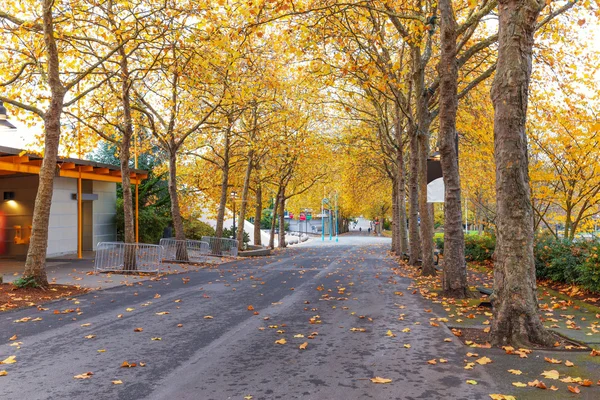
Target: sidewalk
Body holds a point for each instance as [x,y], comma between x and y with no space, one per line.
[70,270]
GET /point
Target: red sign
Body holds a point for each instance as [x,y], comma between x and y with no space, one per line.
[302,216]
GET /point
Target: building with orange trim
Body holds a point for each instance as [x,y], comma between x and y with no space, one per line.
[83,203]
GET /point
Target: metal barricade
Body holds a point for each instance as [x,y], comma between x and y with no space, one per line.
[127,257]
[221,247]
[184,250]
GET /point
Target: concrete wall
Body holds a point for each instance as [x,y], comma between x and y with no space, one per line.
[105,209]
[62,227]
[17,212]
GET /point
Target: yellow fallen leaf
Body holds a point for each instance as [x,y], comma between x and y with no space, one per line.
[129,309]
[471,382]
[102,351]
[515,371]
[443,360]
[432,361]
[208,317]
[3,373]
[569,363]
[90,336]
[156,338]
[9,360]
[378,379]
[281,341]
[502,397]
[519,384]
[248,397]
[552,374]
[303,346]
[483,360]
[299,335]
[14,337]
[406,330]
[85,325]
[117,382]
[552,360]
[138,329]
[389,333]
[85,375]
[407,346]
[162,313]
[447,340]
[127,364]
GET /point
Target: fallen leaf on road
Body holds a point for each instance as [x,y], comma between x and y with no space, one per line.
[483,360]
[358,330]
[180,325]
[9,360]
[573,389]
[281,341]
[538,384]
[586,383]
[299,335]
[208,317]
[303,346]
[248,397]
[127,364]
[250,308]
[502,397]
[378,379]
[406,330]
[138,329]
[552,374]
[102,351]
[443,360]
[90,336]
[519,384]
[3,373]
[129,309]
[162,313]
[156,338]
[552,360]
[14,337]
[117,382]
[389,333]
[85,375]
[447,340]
[569,363]
[515,371]
[432,362]
[85,325]
[471,382]
[407,346]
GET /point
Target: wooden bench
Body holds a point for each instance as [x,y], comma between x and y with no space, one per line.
[488,292]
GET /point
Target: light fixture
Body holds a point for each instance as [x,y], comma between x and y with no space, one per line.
[9,195]
[4,118]
[233,194]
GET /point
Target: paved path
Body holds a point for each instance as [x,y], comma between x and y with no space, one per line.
[234,354]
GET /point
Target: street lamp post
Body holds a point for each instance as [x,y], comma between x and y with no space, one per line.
[233,196]
[336,218]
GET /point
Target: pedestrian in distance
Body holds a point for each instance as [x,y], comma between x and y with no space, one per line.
[369,230]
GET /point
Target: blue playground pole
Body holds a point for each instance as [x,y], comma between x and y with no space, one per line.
[330,224]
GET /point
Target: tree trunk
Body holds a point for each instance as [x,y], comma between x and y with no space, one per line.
[274,222]
[516,318]
[129,263]
[181,251]
[281,237]
[224,186]
[395,222]
[35,264]
[413,188]
[454,282]
[258,215]
[426,226]
[401,187]
[240,228]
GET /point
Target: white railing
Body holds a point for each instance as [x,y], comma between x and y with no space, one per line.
[127,257]
[184,250]
[221,247]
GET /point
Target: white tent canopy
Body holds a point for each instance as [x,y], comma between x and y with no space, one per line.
[435,191]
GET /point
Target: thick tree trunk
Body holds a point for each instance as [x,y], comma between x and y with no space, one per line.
[454,282]
[281,237]
[181,252]
[35,264]
[516,318]
[240,228]
[413,194]
[224,186]
[258,215]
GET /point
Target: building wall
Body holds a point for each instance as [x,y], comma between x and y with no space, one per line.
[62,227]
[104,212]
[16,212]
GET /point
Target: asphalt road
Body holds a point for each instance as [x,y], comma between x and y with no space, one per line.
[233,355]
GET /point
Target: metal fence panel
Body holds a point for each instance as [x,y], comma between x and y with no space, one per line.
[127,257]
[196,250]
[221,247]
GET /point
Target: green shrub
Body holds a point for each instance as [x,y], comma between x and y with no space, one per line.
[479,247]
[194,229]
[439,243]
[26,282]
[152,223]
[228,233]
[558,259]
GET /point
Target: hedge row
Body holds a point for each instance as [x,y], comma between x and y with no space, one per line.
[558,260]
